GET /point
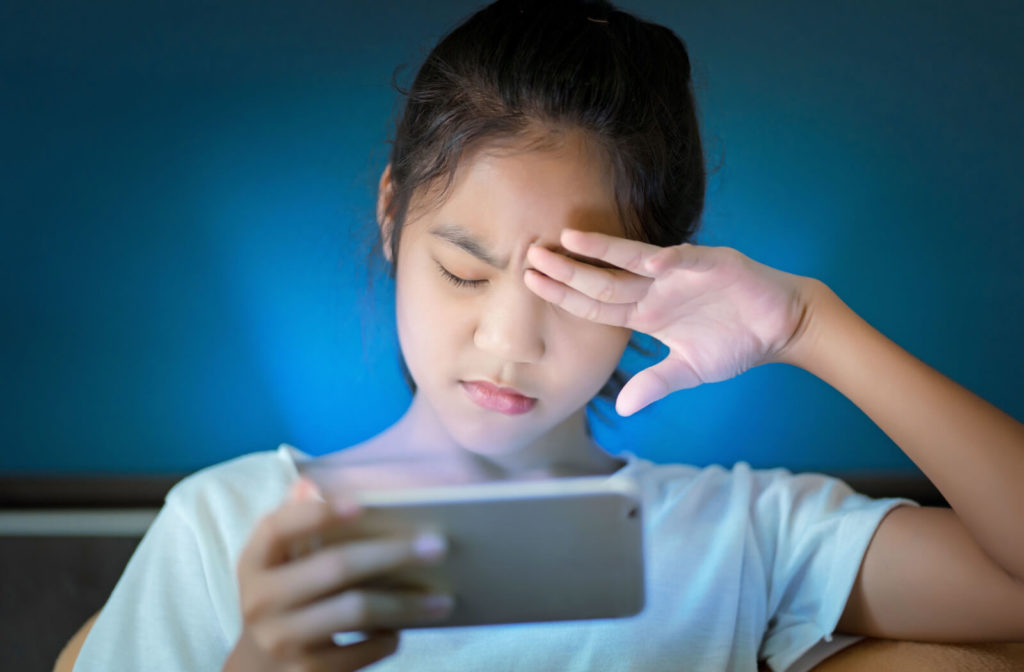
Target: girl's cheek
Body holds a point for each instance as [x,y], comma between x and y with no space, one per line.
[448,312]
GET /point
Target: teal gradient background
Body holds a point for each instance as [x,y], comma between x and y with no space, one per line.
[187,196]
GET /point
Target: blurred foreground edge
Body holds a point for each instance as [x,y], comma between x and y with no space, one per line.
[147,491]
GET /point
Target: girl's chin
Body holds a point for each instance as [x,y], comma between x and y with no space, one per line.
[491,436]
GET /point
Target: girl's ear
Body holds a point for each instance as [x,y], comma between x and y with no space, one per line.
[384,194]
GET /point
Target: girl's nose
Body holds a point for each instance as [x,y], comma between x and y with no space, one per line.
[509,326]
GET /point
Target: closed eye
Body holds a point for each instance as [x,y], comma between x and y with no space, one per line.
[457,281]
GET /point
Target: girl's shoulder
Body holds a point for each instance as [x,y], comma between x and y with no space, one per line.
[238,489]
[763,494]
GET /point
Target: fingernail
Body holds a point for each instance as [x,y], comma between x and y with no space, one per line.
[430,545]
[438,604]
[307,489]
[346,507]
[301,489]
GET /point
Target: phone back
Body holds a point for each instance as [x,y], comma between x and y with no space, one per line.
[563,549]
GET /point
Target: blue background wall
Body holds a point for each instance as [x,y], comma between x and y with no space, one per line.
[187,192]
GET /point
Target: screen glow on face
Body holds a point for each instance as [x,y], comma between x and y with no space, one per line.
[464,312]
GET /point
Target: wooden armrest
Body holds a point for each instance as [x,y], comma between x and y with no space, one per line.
[887,655]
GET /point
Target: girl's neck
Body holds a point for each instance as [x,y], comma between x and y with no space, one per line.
[566,450]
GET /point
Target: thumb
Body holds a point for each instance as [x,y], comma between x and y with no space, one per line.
[654,383]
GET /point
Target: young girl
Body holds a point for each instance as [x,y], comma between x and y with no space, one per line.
[541,190]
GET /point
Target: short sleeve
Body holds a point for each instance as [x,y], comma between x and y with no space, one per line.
[160,614]
[814,531]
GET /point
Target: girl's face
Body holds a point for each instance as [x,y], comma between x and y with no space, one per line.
[496,329]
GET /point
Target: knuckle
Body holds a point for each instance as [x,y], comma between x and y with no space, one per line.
[254,605]
[280,649]
[356,605]
[607,293]
[275,642]
[738,259]
[570,273]
[267,526]
[667,257]
[322,514]
[636,261]
[342,566]
[305,664]
[593,311]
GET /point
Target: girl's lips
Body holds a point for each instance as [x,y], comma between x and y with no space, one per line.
[495,399]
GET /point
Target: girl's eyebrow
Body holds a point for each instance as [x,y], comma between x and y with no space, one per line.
[458,236]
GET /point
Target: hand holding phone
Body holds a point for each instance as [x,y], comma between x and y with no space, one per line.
[294,603]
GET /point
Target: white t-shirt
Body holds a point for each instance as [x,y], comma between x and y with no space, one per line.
[741,565]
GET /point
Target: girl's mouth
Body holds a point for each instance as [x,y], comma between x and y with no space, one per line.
[492,398]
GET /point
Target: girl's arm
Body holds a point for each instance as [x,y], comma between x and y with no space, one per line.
[69,654]
[930,573]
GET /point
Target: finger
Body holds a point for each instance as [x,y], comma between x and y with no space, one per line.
[577,303]
[654,383]
[622,252]
[684,255]
[360,610]
[288,525]
[610,286]
[343,565]
[333,658]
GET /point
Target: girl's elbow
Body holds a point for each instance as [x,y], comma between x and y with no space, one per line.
[69,654]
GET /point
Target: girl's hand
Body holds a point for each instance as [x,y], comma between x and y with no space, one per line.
[719,312]
[292,607]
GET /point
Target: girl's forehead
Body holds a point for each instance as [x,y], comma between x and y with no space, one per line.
[546,183]
[508,209]
[500,194]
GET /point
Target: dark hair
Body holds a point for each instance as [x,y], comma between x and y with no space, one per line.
[523,70]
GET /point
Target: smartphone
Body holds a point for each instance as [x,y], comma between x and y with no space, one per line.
[532,551]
